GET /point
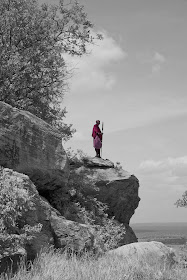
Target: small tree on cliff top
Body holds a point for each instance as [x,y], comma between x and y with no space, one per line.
[33,38]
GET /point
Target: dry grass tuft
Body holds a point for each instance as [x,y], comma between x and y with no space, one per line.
[51,265]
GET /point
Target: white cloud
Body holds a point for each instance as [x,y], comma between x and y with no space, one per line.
[165,164]
[92,71]
[156,68]
[155,60]
[159,57]
[151,165]
[169,174]
[78,136]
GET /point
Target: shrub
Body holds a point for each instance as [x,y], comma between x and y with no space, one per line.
[118,166]
[14,201]
[182,202]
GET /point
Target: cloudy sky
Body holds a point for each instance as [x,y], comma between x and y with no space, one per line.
[135,81]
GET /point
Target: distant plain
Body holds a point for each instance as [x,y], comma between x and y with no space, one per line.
[168,233]
[171,234]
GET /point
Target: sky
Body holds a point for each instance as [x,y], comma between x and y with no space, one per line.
[135,81]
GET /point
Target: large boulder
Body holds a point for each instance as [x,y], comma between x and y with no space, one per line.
[153,252]
[37,211]
[56,230]
[31,146]
[72,235]
[113,186]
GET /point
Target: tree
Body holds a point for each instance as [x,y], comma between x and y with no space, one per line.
[33,39]
[182,202]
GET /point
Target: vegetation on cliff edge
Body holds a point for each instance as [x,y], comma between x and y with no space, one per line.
[33,41]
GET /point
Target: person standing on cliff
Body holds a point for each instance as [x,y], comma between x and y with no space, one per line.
[97,138]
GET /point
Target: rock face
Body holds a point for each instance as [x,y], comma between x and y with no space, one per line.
[38,213]
[69,234]
[98,162]
[34,162]
[155,252]
[115,187]
[56,230]
[31,146]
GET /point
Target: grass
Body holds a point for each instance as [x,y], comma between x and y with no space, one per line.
[51,265]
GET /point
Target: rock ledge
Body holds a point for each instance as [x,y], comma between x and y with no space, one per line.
[98,162]
[115,187]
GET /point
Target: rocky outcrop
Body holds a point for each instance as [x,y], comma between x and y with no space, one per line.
[71,235]
[31,146]
[34,162]
[37,210]
[98,162]
[153,252]
[56,230]
[128,237]
[115,187]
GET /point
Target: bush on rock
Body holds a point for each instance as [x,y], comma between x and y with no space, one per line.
[15,200]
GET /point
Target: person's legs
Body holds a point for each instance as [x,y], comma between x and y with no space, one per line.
[97,152]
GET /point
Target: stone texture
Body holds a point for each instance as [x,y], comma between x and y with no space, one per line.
[71,235]
[56,230]
[115,187]
[39,213]
[98,162]
[121,196]
[155,252]
[129,236]
[31,146]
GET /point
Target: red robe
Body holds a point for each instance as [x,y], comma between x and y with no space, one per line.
[95,131]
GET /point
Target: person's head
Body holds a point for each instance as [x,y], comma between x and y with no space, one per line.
[98,122]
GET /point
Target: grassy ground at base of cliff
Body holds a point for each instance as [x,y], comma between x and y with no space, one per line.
[52,265]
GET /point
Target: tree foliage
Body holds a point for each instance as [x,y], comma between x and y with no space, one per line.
[182,202]
[33,39]
[14,201]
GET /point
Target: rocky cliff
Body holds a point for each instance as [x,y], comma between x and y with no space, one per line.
[55,230]
[113,186]
[31,146]
[33,160]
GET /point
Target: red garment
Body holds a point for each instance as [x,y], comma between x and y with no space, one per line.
[96,131]
[97,143]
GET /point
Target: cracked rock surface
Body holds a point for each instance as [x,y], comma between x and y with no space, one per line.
[31,146]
